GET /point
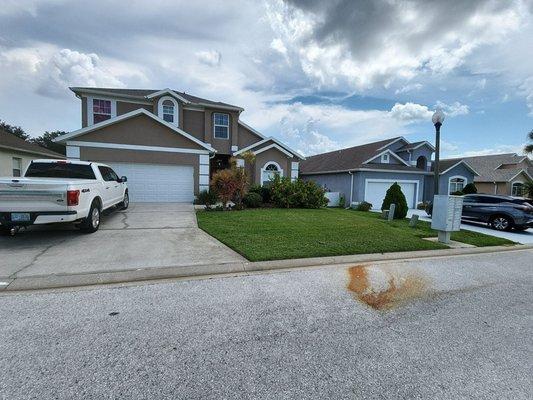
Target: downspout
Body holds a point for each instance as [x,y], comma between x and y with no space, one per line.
[495,188]
[351,189]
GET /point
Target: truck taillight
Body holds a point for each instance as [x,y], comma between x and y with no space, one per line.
[73,197]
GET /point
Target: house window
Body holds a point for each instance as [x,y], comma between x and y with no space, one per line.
[517,189]
[385,158]
[17,166]
[168,111]
[456,184]
[221,125]
[269,171]
[101,110]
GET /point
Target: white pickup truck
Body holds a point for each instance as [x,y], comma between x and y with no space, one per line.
[54,191]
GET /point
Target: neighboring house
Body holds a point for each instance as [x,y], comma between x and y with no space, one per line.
[364,173]
[16,154]
[503,174]
[169,143]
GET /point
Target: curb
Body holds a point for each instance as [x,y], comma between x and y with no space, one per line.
[239,268]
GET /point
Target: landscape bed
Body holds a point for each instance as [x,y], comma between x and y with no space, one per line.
[275,234]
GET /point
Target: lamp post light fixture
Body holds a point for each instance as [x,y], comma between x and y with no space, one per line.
[437,119]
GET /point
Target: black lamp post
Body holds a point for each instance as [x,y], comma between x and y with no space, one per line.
[437,119]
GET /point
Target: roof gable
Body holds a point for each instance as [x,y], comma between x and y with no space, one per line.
[123,117]
[260,146]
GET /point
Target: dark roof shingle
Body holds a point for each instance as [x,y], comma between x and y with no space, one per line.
[12,142]
[142,93]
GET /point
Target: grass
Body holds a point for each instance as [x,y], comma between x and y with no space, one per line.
[273,234]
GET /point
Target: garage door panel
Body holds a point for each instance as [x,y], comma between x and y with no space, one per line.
[376,190]
[157,182]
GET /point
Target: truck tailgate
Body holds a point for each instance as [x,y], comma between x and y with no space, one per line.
[26,194]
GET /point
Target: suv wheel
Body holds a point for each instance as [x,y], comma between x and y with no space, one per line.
[92,222]
[501,223]
[125,202]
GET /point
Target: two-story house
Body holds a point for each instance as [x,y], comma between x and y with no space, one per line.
[364,173]
[169,143]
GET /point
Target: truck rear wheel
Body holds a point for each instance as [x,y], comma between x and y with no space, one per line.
[92,222]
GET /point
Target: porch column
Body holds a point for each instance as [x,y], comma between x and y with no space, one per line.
[203,172]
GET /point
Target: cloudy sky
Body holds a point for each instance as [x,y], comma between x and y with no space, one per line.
[320,75]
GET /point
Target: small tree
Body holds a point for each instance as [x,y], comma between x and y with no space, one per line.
[230,184]
[529,147]
[528,189]
[395,196]
[470,189]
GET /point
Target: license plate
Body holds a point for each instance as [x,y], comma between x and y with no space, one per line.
[20,217]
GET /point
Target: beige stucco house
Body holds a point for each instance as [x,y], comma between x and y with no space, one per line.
[169,143]
[16,154]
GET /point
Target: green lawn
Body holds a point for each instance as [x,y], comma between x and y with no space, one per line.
[273,234]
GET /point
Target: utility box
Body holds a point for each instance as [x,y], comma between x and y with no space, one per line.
[446,215]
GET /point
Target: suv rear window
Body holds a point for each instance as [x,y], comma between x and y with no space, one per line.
[60,170]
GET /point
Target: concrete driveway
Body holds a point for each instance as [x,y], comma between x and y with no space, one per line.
[147,235]
[524,237]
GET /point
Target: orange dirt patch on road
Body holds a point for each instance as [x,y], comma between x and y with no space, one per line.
[382,289]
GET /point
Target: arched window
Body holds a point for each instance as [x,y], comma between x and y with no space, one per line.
[167,109]
[456,184]
[269,171]
[517,189]
[421,162]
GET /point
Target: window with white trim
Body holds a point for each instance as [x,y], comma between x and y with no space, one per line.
[17,166]
[269,172]
[168,111]
[456,185]
[221,126]
[385,158]
[517,189]
[101,110]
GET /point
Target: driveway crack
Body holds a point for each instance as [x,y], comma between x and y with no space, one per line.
[36,257]
[125,221]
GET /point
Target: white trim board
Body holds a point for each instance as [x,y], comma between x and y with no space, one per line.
[458,163]
[273,146]
[392,142]
[120,146]
[123,117]
[391,181]
[425,142]
[169,92]
[266,140]
[390,152]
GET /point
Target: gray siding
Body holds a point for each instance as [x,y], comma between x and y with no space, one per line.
[460,170]
[333,182]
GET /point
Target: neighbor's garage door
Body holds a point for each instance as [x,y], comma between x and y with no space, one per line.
[376,190]
[157,182]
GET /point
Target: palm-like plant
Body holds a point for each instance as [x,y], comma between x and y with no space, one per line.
[529,147]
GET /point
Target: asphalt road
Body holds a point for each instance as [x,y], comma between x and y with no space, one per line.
[455,327]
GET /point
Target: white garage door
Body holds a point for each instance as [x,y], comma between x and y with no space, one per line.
[157,182]
[376,190]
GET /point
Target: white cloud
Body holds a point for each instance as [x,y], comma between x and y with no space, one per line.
[410,112]
[72,68]
[393,41]
[278,45]
[210,57]
[409,88]
[454,109]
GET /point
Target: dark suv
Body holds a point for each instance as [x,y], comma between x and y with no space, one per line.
[502,213]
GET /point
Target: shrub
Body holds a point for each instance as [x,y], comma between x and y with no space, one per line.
[457,193]
[470,188]
[342,201]
[528,190]
[363,206]
[207,198]
[297,194]
[252,200]
[263,191]
[230,185]
[421,206]
[395,196]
